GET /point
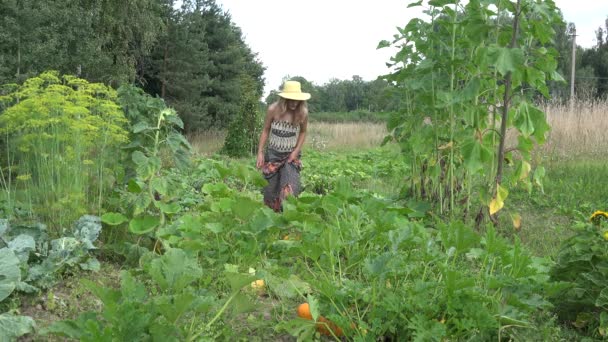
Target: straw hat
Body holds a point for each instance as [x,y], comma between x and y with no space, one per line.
[292,90]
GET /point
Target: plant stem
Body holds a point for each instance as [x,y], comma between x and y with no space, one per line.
[217,316]
[506,100]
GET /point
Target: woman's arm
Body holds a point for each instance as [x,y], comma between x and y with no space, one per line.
[264,136]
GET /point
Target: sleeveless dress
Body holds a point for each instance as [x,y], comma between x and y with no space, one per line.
[283,178]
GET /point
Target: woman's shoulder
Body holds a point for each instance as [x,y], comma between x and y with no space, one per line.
[273,108]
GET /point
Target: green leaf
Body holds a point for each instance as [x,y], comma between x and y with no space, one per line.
[144,224]
[304,330]
[13,327]
[22,245]
[539,174]
[160,185]
[141,127]
[141,203]
[92,264]
[134,187]
[214,227]
[87,230]
[415,4]
[175,120]
[169,208]
[506,60]
[441,3]
[241,304]
[238,280]
[313,304]
[383,44]
[475,154]
[10,274]
[139,158]
[244,207]
[289,288]
[174,271]
[175,306]
[531,121]
[602,299]
[113,219]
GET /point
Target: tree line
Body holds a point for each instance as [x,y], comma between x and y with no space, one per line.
[193,55]
[337,95]
[591,69]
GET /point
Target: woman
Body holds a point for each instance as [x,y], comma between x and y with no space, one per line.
[285,130]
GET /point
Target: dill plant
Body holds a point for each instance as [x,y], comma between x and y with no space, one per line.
[61,136]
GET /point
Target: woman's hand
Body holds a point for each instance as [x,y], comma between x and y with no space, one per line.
[292,156]
[260,161]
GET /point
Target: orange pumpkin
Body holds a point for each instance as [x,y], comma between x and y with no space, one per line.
[304,311]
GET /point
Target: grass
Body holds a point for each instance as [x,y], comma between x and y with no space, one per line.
[324,136]
[356,116]
[572,192]
[575,163]
[580,130]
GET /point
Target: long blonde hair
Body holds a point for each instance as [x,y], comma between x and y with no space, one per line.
[301,110]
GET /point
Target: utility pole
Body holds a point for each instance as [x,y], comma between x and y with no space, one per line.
[573,72]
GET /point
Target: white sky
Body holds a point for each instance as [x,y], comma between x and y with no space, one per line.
[324,39]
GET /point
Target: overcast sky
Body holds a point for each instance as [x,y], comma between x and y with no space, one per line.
[324,39]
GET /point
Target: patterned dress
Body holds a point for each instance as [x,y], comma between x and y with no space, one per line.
[283,178]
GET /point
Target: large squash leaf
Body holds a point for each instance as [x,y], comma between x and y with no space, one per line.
[12,326]
[10,274]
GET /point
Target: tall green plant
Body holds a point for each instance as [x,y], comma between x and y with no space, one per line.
[244,130]
[61,136]
[149,196]
[468,76]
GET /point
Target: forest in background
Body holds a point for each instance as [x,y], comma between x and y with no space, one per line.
[191,54]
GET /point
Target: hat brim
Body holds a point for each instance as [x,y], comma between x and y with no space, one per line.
[295,96]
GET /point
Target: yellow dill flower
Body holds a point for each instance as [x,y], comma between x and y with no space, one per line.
[24,177]
[605,235]
[87,162]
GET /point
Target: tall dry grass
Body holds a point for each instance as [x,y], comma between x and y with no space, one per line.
[580,130]
[207,142]
[345,136]
[320,136]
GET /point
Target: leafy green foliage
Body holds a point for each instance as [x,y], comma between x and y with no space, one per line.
[467,75]
[100,40]
[28,248]
[582,263]
[153,126]
[63,135]
[14,326]
[379,264]
[199,62]
[154,129]
[10,275]
[246,127]
[177,312]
